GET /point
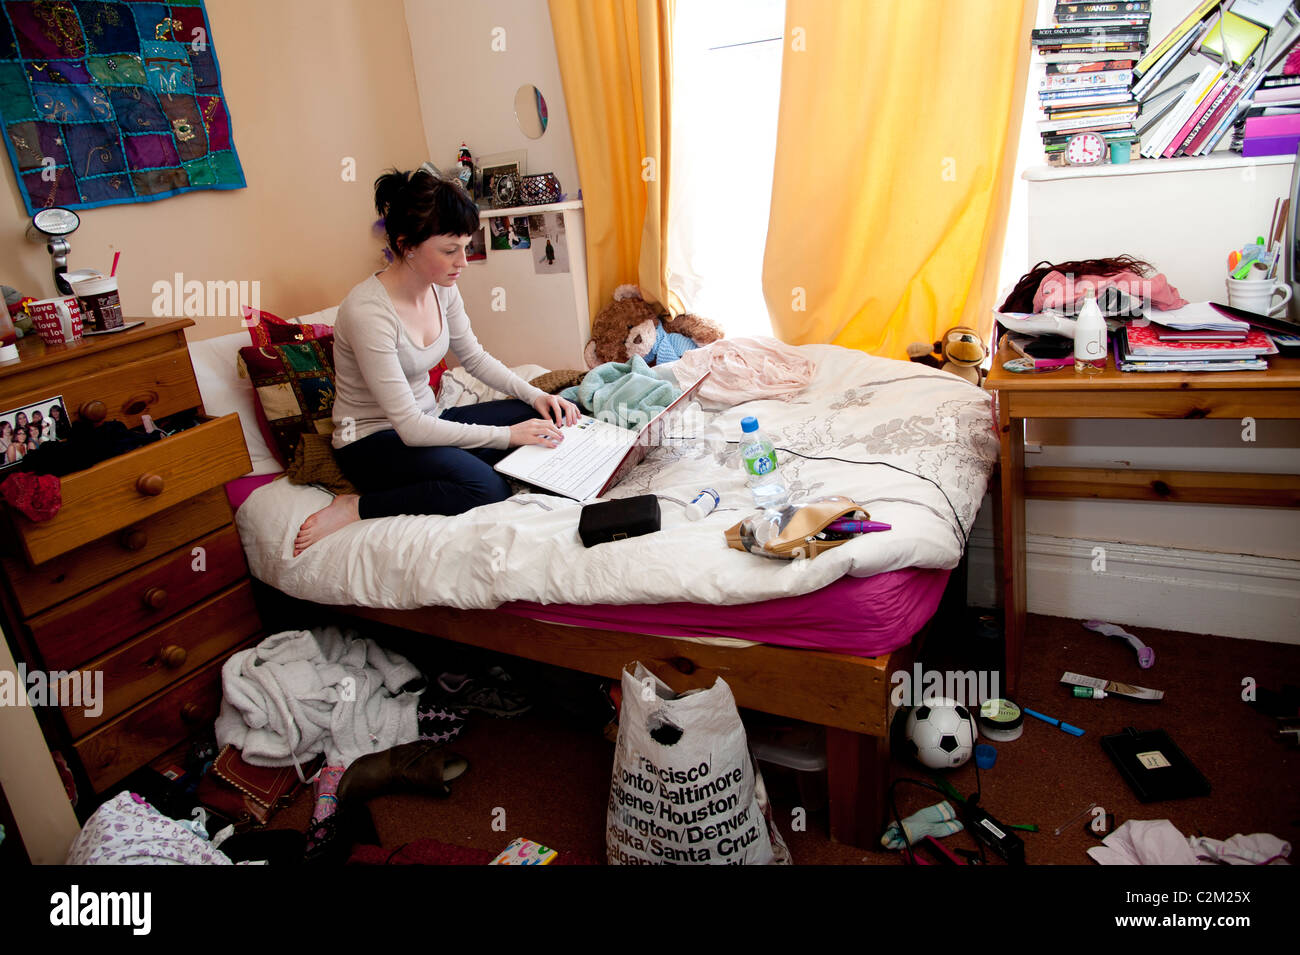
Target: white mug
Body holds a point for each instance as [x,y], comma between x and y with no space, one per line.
[1256,295]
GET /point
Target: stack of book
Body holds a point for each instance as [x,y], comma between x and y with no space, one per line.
[1192,338]
[1277,96]
[1192,117]
[1090,52]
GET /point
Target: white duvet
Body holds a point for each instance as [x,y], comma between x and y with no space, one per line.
[857,409]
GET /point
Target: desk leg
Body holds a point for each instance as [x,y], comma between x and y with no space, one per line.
[1012,431]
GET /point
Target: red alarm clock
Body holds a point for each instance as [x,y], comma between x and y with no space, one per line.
[1085,149]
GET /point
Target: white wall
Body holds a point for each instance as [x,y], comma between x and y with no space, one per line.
[467,86]
[1185,223]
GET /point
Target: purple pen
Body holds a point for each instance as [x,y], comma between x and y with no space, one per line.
[845,526]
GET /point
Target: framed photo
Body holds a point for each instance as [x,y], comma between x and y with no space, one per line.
[27,428]
[499,164]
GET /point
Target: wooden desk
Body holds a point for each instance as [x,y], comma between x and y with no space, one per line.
[1113,394]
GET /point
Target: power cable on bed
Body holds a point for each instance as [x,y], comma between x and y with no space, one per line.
[962,532]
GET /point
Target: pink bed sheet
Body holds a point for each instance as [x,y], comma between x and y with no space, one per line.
[237,491]
[860,616]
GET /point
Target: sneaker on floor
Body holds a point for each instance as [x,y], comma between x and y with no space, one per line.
[495,699]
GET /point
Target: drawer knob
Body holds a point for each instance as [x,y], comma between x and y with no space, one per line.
[173,657]
[155,597]
[93,411]
[134,538]
[150,485]
[192,713]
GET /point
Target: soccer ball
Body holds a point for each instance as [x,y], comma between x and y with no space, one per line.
[940,733]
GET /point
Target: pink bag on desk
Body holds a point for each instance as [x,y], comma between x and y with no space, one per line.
[1057,289]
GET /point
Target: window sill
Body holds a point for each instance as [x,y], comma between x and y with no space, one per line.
[1142,167]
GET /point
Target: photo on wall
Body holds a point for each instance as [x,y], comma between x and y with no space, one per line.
[25,429]
[499,227]
[519,232]
[476,251]
[550,249]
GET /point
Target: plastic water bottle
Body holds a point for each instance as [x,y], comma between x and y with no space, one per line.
[761,470]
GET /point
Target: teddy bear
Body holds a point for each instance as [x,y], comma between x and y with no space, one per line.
[632,325]
[961,351]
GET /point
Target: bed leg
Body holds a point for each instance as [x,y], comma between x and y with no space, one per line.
[857,769]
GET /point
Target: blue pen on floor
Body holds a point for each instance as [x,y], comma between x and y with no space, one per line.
[1064,727]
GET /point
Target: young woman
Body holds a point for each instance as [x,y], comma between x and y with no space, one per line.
[18,447]
[33,436]
[389,439]
[6,435]
[45,428]
[60,420]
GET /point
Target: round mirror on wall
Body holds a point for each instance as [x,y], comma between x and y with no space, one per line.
[530,111]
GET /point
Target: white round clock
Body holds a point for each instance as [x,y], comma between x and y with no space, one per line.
[1085,149]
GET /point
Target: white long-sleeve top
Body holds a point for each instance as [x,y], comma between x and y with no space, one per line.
[382,377]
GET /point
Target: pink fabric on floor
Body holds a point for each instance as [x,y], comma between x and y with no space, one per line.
[860,616]
[746,369]
[238,490]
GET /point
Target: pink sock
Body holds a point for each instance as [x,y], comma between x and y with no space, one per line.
[326,785]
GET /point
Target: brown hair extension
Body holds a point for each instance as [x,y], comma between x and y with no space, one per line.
[1021,298]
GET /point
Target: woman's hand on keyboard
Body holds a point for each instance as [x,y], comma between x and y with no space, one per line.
[535,431]
[560,410]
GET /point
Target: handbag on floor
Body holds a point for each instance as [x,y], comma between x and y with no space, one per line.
[248,796]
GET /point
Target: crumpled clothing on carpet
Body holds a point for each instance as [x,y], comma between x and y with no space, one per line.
[1158,842]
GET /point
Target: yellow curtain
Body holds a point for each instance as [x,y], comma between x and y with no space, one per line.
[616,67]
[896,143]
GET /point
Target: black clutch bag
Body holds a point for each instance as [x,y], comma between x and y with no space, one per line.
[617,520]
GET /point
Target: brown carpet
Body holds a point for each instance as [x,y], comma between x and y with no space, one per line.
[546,777]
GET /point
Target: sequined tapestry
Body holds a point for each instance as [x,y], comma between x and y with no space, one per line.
[105,103]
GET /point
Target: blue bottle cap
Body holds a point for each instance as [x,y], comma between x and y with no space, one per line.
[749,424]
[985,756]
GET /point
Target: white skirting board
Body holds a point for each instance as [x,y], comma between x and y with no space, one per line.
[1231,595]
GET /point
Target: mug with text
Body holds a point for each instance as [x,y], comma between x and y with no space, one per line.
[57,320]
[1256,295]
[100,302]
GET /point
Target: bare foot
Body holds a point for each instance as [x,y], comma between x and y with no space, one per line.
[341,512]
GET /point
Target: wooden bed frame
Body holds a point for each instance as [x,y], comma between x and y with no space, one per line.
[847,695]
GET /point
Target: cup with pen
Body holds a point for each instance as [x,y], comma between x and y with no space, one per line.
[1251,281]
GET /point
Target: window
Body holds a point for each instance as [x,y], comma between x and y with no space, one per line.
[726,87]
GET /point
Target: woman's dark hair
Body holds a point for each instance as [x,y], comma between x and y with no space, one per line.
[1021,298]
[415,206]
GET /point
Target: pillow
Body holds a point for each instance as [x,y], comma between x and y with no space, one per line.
[224,390]
[265,328]
[294,386]
[314,463]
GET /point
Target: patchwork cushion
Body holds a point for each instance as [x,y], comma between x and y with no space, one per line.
[294,387]
[265,328]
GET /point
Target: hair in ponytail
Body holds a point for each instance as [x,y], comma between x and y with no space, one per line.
[1021,298]
[416,206]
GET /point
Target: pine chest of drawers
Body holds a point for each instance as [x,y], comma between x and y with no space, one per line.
[138,584]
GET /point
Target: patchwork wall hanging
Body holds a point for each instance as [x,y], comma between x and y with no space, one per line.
[104,103]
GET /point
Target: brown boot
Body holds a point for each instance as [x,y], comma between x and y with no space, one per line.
[421,767]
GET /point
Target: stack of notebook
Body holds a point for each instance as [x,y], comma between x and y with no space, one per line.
[1193,338]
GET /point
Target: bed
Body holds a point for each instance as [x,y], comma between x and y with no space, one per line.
[809,640]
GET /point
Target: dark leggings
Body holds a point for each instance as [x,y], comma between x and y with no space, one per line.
[394,478]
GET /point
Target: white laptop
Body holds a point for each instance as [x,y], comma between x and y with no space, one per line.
[595,455]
